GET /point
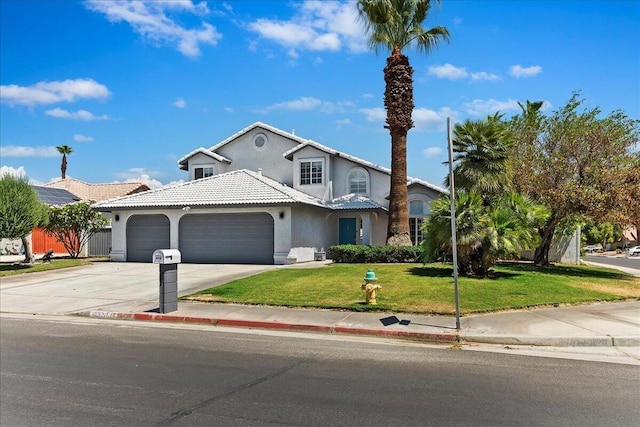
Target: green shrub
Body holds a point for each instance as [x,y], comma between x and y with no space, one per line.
[375,254]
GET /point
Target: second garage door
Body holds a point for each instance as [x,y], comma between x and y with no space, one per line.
[242,238]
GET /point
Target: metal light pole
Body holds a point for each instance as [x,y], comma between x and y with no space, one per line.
[454,240]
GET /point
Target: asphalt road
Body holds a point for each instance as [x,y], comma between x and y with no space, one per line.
[614,261]
[103,373]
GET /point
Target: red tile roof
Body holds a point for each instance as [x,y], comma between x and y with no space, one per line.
[98,192]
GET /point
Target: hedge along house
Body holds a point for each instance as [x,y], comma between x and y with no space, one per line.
[262,196]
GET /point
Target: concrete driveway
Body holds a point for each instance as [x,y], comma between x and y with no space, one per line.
[111,286]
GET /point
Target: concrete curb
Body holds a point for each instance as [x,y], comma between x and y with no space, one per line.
[596,341]
[349,330]
[448,338]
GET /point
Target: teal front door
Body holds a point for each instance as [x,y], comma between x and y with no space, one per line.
[347,231]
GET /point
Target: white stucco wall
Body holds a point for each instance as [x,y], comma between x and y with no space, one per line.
[244,154]
[309,228]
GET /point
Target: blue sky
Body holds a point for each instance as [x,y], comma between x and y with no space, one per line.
[134,86]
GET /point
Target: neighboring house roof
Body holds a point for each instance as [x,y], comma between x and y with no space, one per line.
[309,143]
[55,196]
[98,192]
[354,202]
[238,188]
[183,163]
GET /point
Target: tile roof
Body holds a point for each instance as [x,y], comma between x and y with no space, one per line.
[354,202]
[97,192]
[183,162]
[55,196]
[237,188]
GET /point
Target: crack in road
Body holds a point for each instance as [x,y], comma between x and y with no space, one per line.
[185,412]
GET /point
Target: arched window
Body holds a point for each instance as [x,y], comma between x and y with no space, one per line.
[418,209]
[358,181]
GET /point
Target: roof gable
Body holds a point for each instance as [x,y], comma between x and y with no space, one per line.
[263,126]
[309,143]
[183,163]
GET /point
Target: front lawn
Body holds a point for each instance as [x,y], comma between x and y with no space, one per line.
[9,269]
[418,288]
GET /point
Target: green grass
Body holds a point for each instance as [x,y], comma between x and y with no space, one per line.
[9,269]
[416,288]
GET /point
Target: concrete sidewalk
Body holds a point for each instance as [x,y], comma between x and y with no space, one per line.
[597,325]
[130,291]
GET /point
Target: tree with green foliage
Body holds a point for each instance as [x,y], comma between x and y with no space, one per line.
[20,212]
[485,233]
[64,150]
[575,162]
[395,25]
[601,232]
[492,222]
[74,224]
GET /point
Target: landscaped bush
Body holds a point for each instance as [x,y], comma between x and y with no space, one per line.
[375,254]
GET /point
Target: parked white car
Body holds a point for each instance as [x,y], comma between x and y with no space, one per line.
[634,251]
[593,248]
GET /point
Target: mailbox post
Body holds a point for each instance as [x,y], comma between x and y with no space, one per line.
[168,260]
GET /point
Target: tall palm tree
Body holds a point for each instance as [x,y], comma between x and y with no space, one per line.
[394,25]
[64,150]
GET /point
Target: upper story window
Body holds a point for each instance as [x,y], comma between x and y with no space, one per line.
[358,181]
[203,172]
[418,208]
[311,172]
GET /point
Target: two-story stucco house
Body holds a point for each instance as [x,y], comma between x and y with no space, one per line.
[262,196]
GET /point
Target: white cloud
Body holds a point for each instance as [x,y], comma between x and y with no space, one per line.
[483,75]
[24,151]
[78,115]
[82,138]
[451,72]
[424,119]
[150,19]
[432,152]
[143,175]
[180,103]
[481,107]
[316,26]
[374,114]
[53,92]
[518,71]
[309,104]
[343,122]
[18,172]
[448,71]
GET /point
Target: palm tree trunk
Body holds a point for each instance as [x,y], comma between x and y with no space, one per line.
[398,100]
[63,166]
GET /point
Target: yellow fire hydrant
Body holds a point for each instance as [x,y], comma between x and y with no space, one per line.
[370,287]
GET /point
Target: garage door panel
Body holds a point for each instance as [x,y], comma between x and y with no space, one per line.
[243,238]
[145,234]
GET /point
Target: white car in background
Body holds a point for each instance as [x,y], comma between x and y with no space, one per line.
[593,248]
[634,251]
